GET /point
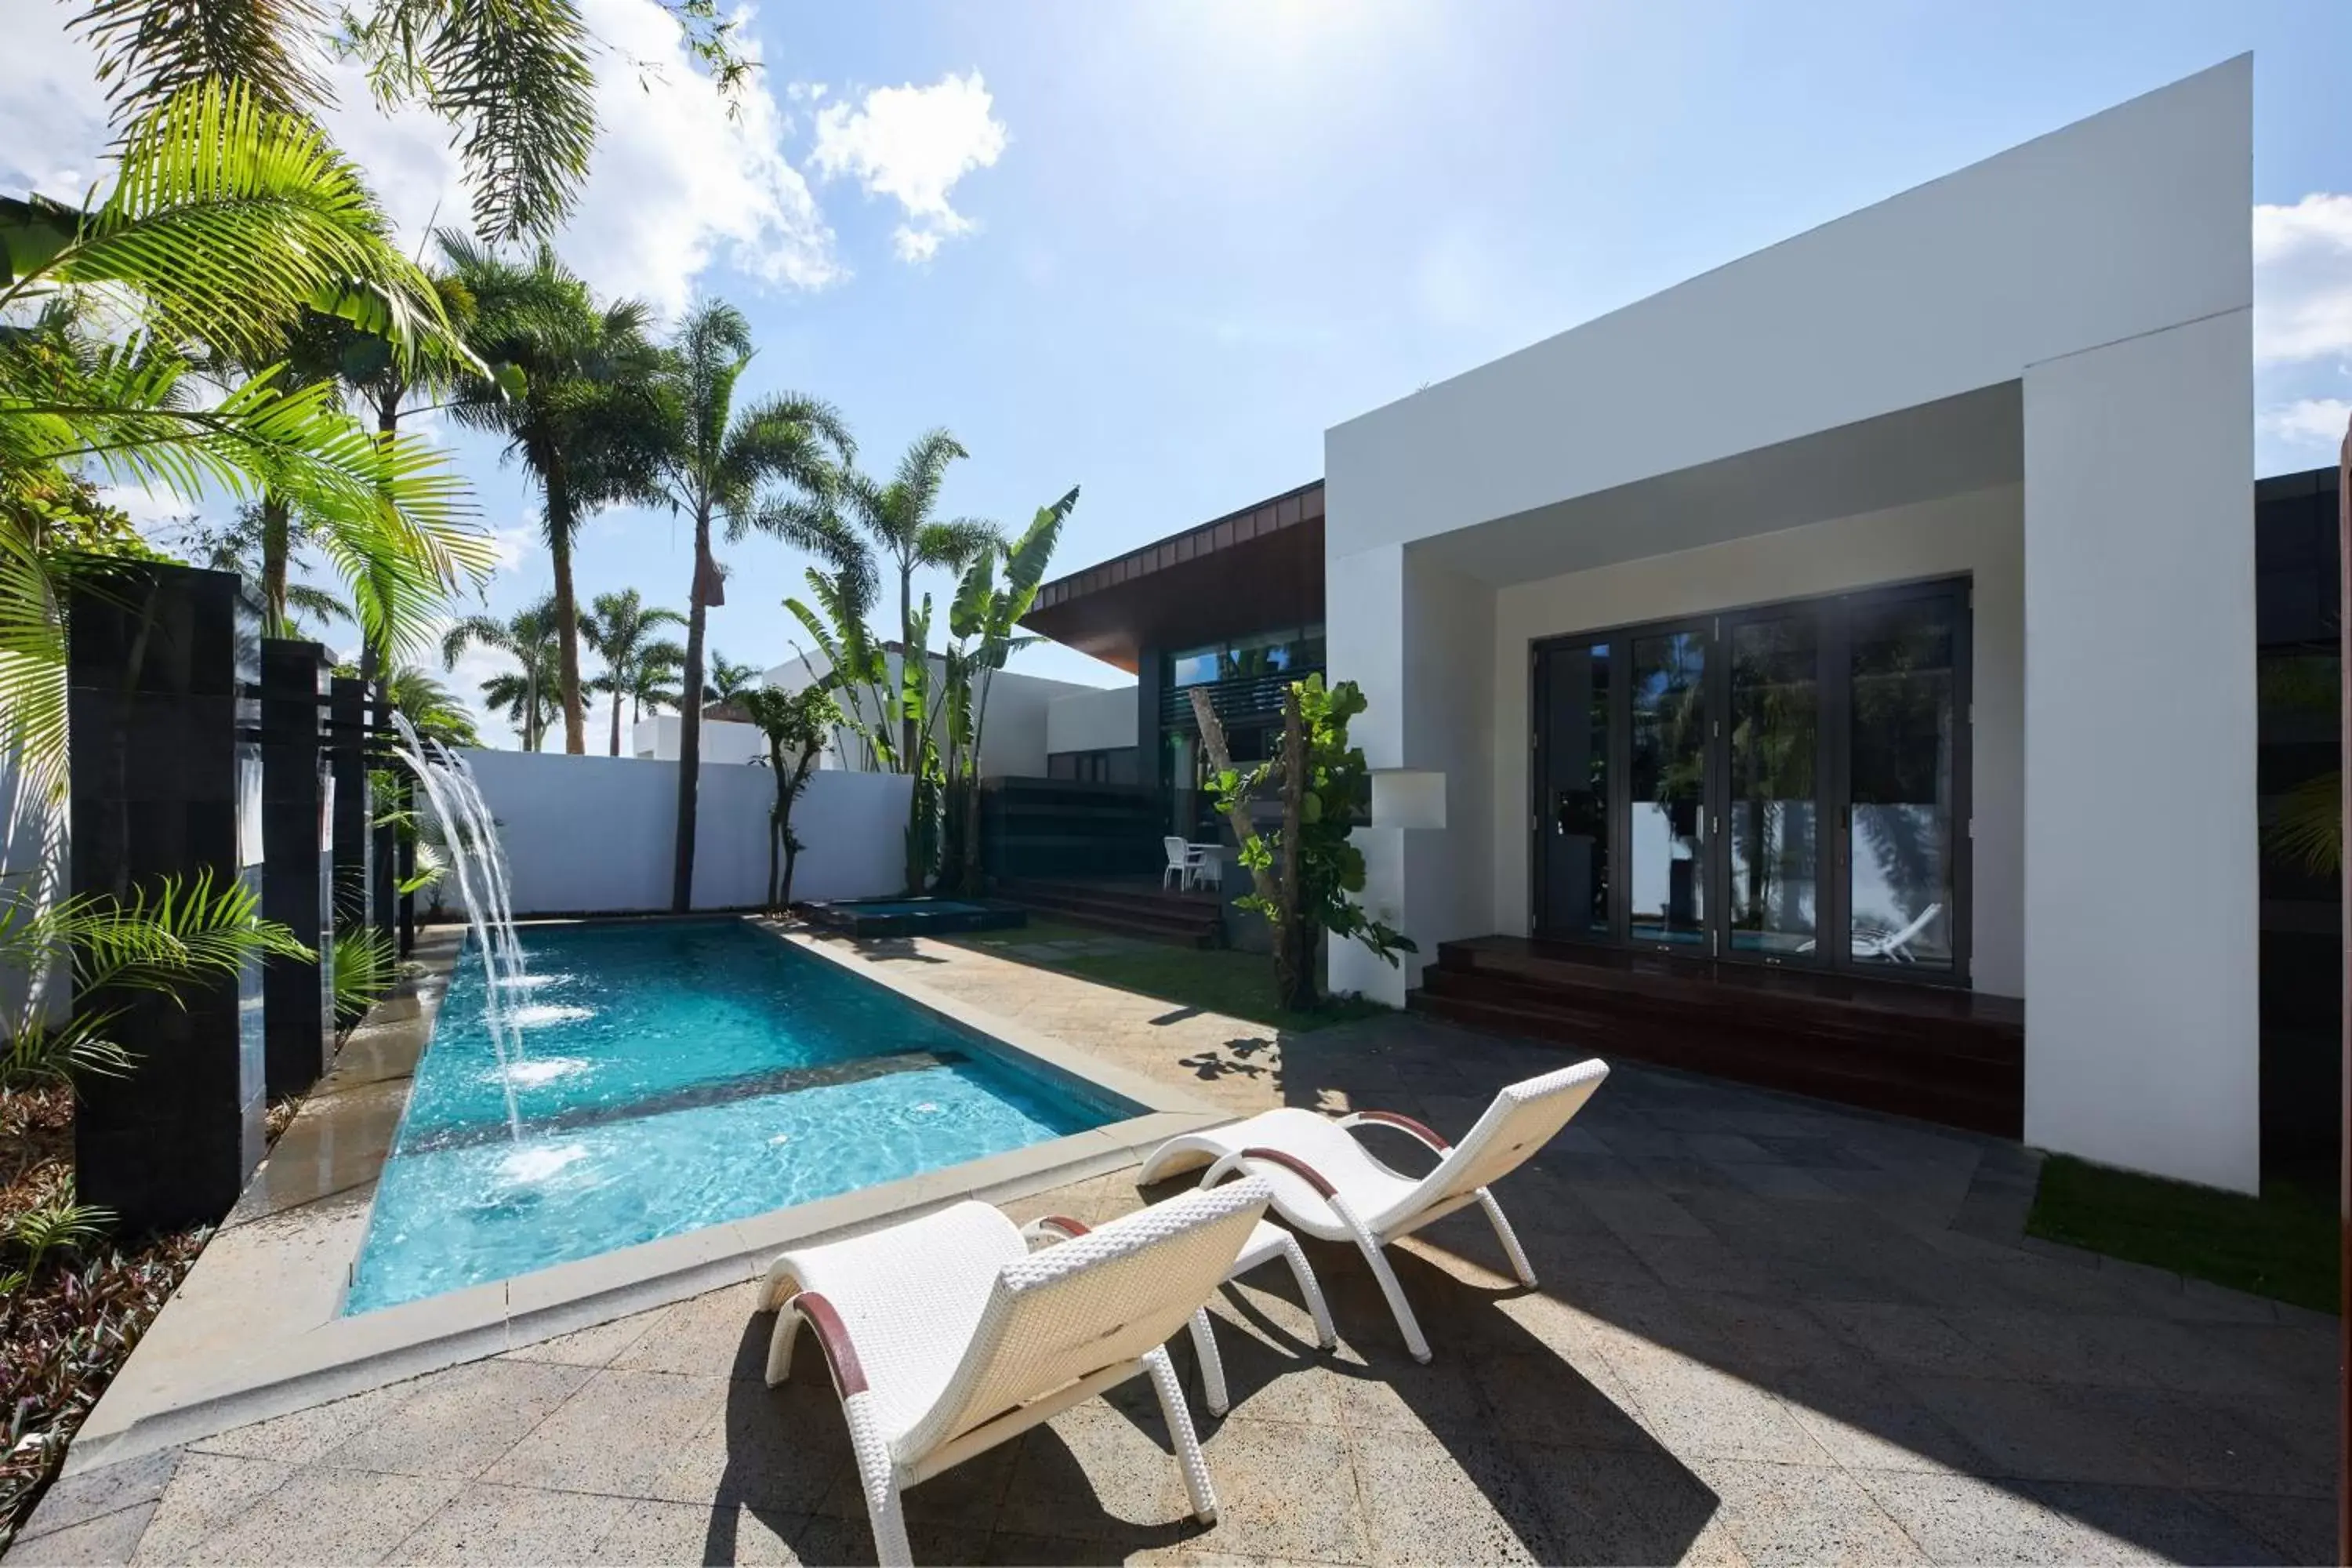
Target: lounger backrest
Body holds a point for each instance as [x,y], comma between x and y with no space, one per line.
[1093,1302]
[1522,1119]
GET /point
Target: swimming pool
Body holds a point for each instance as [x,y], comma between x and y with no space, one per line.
[674,1075]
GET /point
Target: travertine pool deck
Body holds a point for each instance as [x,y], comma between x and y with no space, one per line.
[1768,1331]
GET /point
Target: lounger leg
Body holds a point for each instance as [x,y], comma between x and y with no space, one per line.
[877,1477]
[1292,1254]
[1189,1457]
[1212,1367]
[1508,1238]
[779,1345]
[1398,1305]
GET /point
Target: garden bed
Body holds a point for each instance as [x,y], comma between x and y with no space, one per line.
[66,1334]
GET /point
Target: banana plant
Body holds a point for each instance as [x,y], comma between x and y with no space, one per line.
[983,621]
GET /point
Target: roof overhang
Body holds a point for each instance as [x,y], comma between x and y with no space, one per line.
[1255,570]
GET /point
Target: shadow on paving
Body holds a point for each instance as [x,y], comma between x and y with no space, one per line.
[1765,1325]
[1776,1282]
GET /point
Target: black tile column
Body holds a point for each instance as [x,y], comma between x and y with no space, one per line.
[159,661]
[347,741]
[297,880]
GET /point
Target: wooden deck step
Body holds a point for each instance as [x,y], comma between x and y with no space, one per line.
[1935,1053]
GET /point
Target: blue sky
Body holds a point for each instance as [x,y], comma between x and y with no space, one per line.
[1159,249]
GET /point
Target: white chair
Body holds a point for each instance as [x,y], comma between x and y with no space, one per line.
[1326,1183]
[1208,865]
[1267,1243]
[946,1335]
[1894,945]
[1181,861]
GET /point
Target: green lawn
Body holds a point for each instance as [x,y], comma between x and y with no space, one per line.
[2281,1244]
[1240,984]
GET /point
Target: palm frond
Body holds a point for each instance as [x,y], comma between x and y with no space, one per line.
[151,50]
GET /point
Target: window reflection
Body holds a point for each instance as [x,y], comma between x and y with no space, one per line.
[1668,788]
[1775,745]
[1902,734]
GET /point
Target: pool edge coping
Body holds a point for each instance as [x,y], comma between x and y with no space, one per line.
[336,1357]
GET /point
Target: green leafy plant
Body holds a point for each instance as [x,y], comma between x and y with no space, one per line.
[983,620]
[160,940]
[796,725]
[225,225]
[1303,876]
[366,967]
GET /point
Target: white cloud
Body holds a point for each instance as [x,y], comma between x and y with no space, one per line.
[2302,278]
[2310,422]
[912,143]
[675,185]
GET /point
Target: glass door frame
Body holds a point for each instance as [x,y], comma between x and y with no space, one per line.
[1832,616]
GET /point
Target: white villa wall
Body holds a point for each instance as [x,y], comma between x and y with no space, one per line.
[1098,719]
[2140,833]
[598,834]
[2100,277]
[661,739]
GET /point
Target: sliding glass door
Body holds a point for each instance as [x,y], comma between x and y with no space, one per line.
[1666,798]
[1784,785]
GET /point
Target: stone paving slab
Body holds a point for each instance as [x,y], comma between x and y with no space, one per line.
[1853,1366]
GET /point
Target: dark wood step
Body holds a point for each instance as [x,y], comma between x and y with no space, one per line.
[1836,1045]
[1949,1105]
[1190,922]
[1940,1054]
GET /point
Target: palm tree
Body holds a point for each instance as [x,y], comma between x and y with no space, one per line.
[585,421]
[529,639]
[237,546]
[897,517]
[620,627]
[433,708]
[226,223]
[727,681]
[741,470]
[514,82]
[652,682]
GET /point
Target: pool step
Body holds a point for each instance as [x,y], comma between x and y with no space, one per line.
[687,1096]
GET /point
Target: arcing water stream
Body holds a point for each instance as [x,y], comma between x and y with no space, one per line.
[478,865]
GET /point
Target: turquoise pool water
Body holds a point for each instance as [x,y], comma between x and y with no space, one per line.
[674,1076]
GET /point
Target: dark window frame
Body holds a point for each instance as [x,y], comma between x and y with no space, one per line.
[1833,615]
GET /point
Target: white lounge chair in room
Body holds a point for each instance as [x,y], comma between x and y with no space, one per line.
[947,1335]
[1181,861]
[1326,1183]
[1893,946]
[1267,1243]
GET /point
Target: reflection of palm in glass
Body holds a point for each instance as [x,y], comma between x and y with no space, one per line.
[1902,671]
[1775,717]
[1669,774]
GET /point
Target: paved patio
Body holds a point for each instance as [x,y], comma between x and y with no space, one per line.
[1768,1332]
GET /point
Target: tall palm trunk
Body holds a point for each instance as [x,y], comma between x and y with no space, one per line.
[276,533]
[567,614]
[689,714]
[616,713]
[387,428]
[907,757]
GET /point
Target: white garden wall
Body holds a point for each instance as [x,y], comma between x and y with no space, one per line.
[598,835]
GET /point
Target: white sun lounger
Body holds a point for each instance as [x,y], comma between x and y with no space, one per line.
[1329,1185]
[946,1335]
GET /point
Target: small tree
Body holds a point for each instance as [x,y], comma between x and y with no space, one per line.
[1303,876]
[795,724]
